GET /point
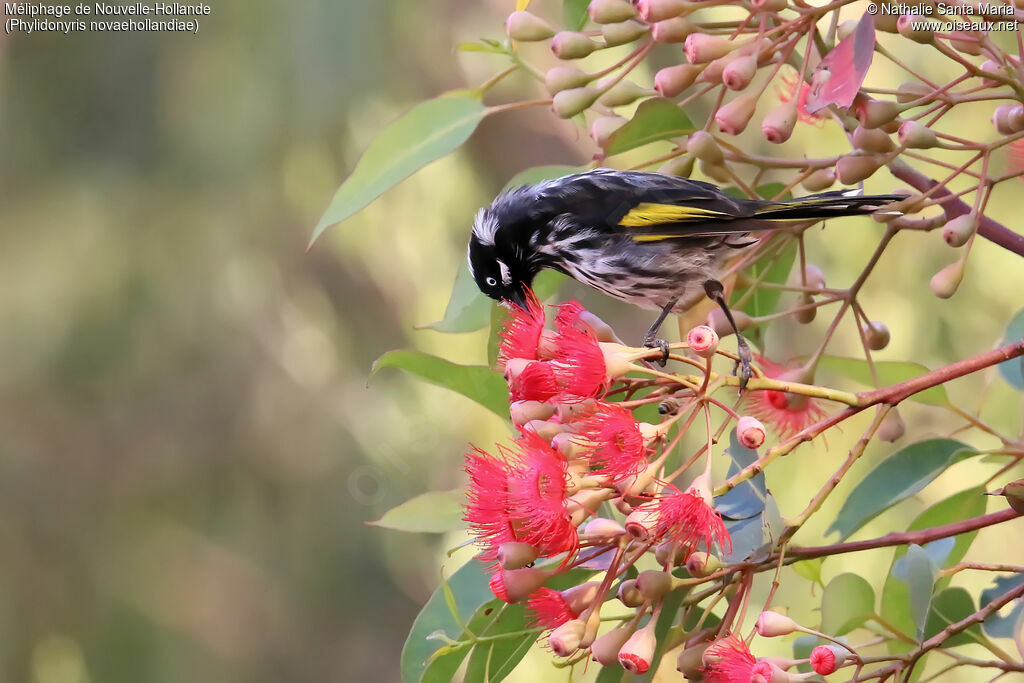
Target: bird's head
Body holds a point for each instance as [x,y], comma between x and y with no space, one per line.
[497,262]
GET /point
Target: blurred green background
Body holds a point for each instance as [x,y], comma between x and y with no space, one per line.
[188,446]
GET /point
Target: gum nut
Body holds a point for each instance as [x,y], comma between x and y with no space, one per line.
[701,48]
[945,282]
[526,27]
[565,77]
[569,103]
[572,45]
[653,584]
[610,11]
[877,113]
[822,179]
[622,93]
[623,32]
[892,427]
[739,72]
[734,116]
[674,30]
[910,91]
[777,126]
[629,595]
[910,26]
[850,170]
[877,335]
[660,10]
[871,140]
[605,649]
[957,231]
[720,324]
[916,135]
[702,145]
[806,314]
[672,80]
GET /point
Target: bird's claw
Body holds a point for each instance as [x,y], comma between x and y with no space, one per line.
[654,343]
[742,367]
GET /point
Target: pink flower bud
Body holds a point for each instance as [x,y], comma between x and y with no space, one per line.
[603,126]
[945,282]
[522,412]
[515,555]
[871,140]
[712,72]
[642,522]
[579,598]
[674,30]
[527,27]
[957,231]
[622,32]
[702,145]
[681,166]
[852,169]
[565,77]
[877,113]
[772,624]
[720,324]
[637,652]
[701,564]
[690,661]
[703,341]
[734,116]
[1009,118]
[659,10]
[653,584]
[822,179]
[701,48]
[514,585]
[605,650]
[916,135]
[739,72]
[825,659]
[603,528]
[750,432]
[672,80]
[910,91]
[622,93]
[778,125]
[610,11]
[914,26]
[670,553]
[629,595]
[572,45]
[566,639]
[892,428]
[569,103]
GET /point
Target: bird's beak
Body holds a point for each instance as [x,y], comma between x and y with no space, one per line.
[518,298]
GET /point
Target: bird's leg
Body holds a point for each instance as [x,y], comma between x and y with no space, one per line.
[651,339]
[716,292]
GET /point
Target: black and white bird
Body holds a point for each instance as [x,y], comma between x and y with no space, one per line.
[649,239]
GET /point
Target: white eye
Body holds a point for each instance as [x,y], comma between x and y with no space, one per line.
[491,282]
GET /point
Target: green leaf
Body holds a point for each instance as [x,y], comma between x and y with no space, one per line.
[483,385]
[1002,626]
[900,476]
[655,119]
[810,569]
[493,660]
[949,607]
[434,512]
[426,133]
[574,13]
[1013,370]
[539,174]
[918,571]
[468,308]
[743,506]
[426,659]
[847,603]
[482,47]
[889,372]
[895,595]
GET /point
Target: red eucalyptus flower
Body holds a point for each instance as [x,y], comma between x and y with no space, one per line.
[520,335]
[787,413]
[549,609]
[615,444]
[686,518]
[728,660]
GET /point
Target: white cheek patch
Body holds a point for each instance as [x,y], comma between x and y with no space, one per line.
[506,276]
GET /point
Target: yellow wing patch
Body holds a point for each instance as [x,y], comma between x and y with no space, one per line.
[647,214]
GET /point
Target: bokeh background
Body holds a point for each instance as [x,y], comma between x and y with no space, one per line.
[189,447]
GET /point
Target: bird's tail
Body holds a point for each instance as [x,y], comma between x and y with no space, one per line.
[826,205]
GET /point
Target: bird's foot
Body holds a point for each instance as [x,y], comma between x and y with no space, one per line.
[742,368]
[652,342]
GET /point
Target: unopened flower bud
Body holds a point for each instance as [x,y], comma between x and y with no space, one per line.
[572,45]
[892,428]
[1009,118]
[690,662]
[852,169]
[720,324]
[957,231]
[771,624]
[915,27]
[622,32]
[545,429]
[1014,494]
[653,584]
[567,444]
[523,412]
[674,30]
[579,598]
[567,412]
[622,93]
[605,650]
[515,585]
[670,554]
[825,659]
[672,80]
[750,432]
[876,334]
[703,341]
[886,19]
[629,595]
[603,528]
[701,48]
[637,652]
[739,72]
[515,555]
[822,179]
[701,564]
[814,278]
[565,77]
[806,312]
[583,504]
[777,126]
[968,42]
[712,71]
[871,140]
[945,282]
[526,27]
[569,103]
[717,172]
[877,113]
[910,91]
[566,639]
[702,145]
[916,135]
[603,126]
[681,166]
[992,67]
[642,522]
[734,116]
[659,10]
[610,11]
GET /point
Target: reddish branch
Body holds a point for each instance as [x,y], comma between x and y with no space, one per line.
[989,229]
